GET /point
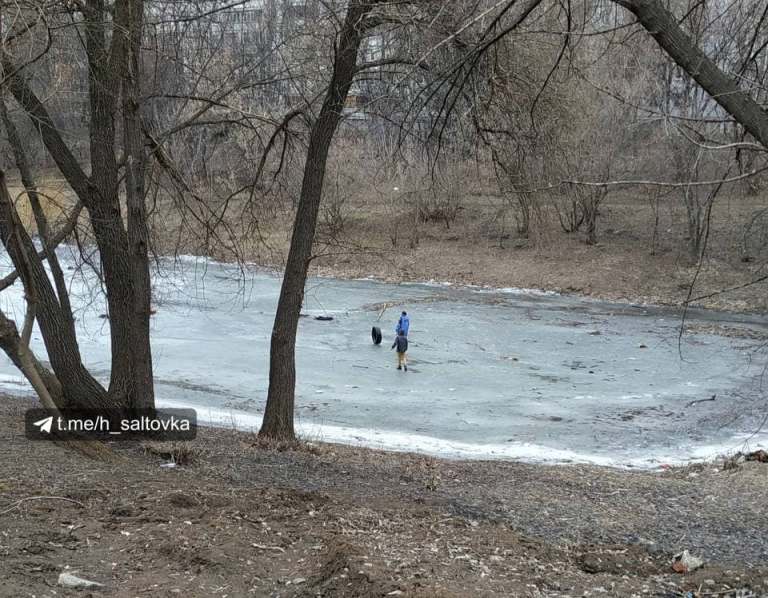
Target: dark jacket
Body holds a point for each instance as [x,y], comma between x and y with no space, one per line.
[401,343]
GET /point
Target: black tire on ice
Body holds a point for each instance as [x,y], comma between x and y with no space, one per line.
[376,335]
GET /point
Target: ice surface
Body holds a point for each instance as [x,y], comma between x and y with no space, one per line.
[503,374]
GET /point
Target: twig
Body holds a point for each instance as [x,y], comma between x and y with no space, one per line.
[647,183]
[263,547]
[386,306]
[712,398]
[57,239]
[712,183]
[18,503]
[702,594]
[729,289]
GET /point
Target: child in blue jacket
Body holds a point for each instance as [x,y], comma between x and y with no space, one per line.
[403,324]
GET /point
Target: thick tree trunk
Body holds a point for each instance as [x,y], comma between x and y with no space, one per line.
[142,394]
[35,373]
[130,386]
[45,383]
[663,26]
[17,348]
[106,67]
[46,386]
[591,210]
[22,163]
[278,415]
[80,388]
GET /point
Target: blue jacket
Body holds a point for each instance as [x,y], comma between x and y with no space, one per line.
[403,324]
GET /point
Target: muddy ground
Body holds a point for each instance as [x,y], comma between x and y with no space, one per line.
[243,519]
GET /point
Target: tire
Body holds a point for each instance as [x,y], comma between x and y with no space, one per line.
[376,335]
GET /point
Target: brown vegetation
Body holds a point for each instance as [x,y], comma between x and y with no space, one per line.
[245,518]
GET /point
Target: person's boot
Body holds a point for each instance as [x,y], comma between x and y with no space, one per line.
[399,368]
[405,367]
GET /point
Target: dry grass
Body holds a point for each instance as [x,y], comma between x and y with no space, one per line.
[242,520]
[56,199]
[179,453]
[625,265]
[382,236]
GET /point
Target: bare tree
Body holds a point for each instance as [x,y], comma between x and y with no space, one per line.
[278,415]
[726,91]
[178,94]
[358,21]
[112,48]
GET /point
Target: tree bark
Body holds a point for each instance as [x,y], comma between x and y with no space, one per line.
[663,26]
[79,387]
[132,13]
[107,66]
[51,394]
[30,187]
[278,416]
[130,378]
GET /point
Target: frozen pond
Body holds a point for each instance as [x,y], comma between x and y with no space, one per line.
[492,374]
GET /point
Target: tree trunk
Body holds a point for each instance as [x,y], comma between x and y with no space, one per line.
[79,387]
[663,26]
[22,163]
[28,364]
[693,217]
[129,386]
[107,67]
[590,217]
[142,391]
[278,415]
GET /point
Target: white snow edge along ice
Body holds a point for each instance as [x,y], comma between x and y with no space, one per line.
[449,449]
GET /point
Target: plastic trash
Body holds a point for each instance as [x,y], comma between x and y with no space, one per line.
[685,562]
[72,581]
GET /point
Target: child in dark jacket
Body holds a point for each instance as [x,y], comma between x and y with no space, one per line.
[401,343]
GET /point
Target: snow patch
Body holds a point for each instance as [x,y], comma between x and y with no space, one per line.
[450,449]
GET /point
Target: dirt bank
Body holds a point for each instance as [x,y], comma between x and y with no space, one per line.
[629,263]
[641,255]
[324,520]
